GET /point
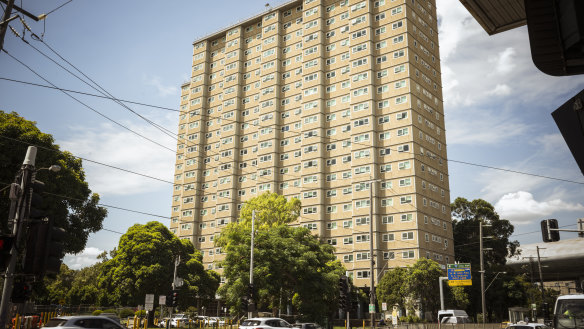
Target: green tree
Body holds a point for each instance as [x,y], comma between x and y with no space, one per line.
[76,208]
[406,286]
[466,217]
[290,264]
[143,263]
[391,288]
[422,281]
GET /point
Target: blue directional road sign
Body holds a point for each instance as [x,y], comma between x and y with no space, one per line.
[459,275]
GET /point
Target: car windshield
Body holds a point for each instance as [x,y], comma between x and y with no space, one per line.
[250,323]
[55,322]
[570,314]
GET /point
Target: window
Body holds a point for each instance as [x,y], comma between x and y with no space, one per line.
[407,235]
[387,237]
[408,254]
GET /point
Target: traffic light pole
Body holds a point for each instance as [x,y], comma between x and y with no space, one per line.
[23,199]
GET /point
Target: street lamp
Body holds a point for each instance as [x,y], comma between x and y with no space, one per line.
[494,279]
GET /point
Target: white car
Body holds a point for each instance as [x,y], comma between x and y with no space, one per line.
[88,321]
[177,320]
[264,323]
[525,325]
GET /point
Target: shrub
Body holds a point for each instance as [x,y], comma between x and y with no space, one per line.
[97,312]
[126,312]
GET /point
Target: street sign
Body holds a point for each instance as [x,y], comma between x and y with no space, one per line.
[384,306]
[459,274]
[371,308]
[149,302]
[162,300]
[178,282]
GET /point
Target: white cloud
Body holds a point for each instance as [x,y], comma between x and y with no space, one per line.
[163,90]
[83,259]
[113,146]
[504,61]
[521,208]
[500,90]
[483,129]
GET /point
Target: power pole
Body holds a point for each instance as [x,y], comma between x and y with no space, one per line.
[543,303]
[372,261]
[26,176]
[482,271]
[250,300]
[171,308]
[4,25]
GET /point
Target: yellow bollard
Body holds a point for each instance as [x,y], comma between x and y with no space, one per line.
[146,323]
[363,324]
[17,323]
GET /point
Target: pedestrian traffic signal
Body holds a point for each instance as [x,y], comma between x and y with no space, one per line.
[6,241]
[21,292]
[549,230]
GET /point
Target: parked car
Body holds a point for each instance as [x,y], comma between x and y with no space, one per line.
[264,323]
[177,319]
[307,325]
[525,325]
[87,321]
[453,316]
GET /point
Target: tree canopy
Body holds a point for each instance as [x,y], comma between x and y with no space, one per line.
[291,265]
[466,217]
[143,263]
[405,286]
[70,203]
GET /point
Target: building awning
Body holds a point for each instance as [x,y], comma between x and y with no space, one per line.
[497,16]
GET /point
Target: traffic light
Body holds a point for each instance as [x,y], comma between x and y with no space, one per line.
[243,304]
[251,298]
[36,211]
[343,292]
[6,241]
[21,291]
[547,232]
[169,299]
[44,248]
[174,297]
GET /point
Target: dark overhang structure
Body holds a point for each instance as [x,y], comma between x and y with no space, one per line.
[555,27]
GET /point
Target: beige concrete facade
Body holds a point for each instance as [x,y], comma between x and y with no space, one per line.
[312,100]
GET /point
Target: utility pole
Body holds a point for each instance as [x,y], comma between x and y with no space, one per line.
[543,303]
[26,175]
[372,261]
[176,263]
[482,271]
[4,26]
[250,300]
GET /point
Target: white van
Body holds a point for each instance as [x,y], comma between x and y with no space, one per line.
[569,312]
[453,316]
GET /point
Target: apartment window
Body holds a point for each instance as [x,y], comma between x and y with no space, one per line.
[408,254]
[407,235]
[387,237]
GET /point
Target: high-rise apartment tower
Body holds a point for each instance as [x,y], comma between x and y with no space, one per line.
[335,102]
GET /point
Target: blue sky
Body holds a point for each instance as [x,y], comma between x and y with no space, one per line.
[497,106]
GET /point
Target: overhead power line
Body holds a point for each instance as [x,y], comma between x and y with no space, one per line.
[87,94]
[87,106]
[88,160]
[173,135]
